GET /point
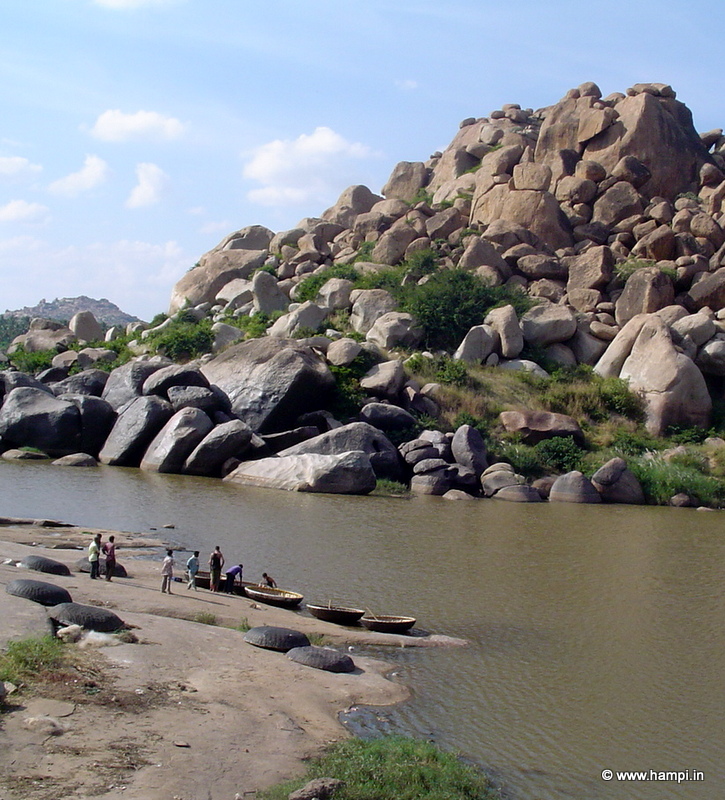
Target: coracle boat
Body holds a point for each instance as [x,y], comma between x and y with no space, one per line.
[275,597]
[342,615]
[385,623]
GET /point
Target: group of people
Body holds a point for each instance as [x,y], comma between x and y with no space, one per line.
[216,566]
[95,549]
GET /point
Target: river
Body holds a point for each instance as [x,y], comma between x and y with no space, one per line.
[597,633]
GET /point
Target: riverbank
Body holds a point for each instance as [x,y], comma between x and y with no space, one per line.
[189,711]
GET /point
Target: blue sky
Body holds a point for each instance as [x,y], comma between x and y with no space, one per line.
[135,134]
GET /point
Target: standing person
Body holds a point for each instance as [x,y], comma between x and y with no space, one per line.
[109,550]
[269,580]
[192,566]
[167,572]
[94,552]
[232,576]
[216,562]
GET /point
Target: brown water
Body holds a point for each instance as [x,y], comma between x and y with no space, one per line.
[597,635]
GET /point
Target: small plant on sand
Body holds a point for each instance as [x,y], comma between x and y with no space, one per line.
[243,626]
[393,767]
[29,658]
[387,488]
[205,618]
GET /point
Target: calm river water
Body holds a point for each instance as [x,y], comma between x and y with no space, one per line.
[597,633]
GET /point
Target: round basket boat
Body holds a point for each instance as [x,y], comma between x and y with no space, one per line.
[342,615]
[275,597]
[384,623]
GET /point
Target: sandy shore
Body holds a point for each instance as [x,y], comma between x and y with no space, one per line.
[190,712]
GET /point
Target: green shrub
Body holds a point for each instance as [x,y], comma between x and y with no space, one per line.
[393,768]
[561,453]
[683,434]
[387,488]
[421,263]
[523,458]
[32,363]
[10,327]
[627,443]
[184,339]
[629,266]
[364,252]
[465,418]
[348,396]
[451,302]
[308,288]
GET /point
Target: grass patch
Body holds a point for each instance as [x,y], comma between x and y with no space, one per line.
[205,618]
[243,626]
[393,767]
[661,480]
[318,639]
[387,488]
[30,659]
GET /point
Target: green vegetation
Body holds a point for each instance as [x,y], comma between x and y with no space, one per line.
[387,488]
[205,618]
[184,339]
[308,288]
[32,363]
[29,659]
[393,768]
[628,267]
[243,626]
[661,480]
[10,327]
[348,396]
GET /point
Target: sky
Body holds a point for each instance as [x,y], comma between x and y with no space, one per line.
[136,134]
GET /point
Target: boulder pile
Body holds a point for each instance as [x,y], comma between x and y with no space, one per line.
[606,211]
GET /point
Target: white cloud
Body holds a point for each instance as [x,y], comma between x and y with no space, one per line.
[407,85]
[136,275]
[93,173]
[14,166]
[115,126]
[310,167]
[151,182]
[22,211]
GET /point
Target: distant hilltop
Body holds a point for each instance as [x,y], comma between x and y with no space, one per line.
[63,308]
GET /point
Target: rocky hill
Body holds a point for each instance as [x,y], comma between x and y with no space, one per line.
[554,279]
[63,309]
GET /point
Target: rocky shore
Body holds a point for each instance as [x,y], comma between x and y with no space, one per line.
[597,225]
[189,710]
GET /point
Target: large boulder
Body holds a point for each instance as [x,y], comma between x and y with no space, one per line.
[535,426]
[89,382]
[547,323]
[395,329]
[355,436]
[506,324]
[385,379]
[387,417]
[134,430]
[647,290]
[348,473]
[268,297]
[573,487]
[97,419]
[159,382]
[307,316]
[367,306]
[673,388]
[215,270]
[176,441]
[658,131]
[616,483]
[86,327]
[477,345]
[469,449]
[270,381]
[228,440]
[125,383]
[33,418]
[406,180]
[353,201]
